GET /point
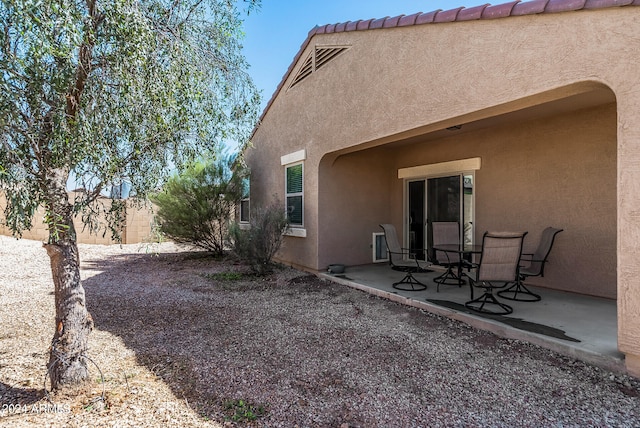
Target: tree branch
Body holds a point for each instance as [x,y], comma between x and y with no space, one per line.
[84,60]
[94,194]
[193,8]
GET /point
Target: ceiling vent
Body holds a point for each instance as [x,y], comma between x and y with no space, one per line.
[320,56]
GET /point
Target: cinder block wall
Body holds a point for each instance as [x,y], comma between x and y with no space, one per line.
[138,227]
[139,224]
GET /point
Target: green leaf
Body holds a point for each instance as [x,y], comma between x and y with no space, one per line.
[126,89]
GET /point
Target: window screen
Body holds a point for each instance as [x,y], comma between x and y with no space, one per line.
[244,203]
[244,211]
[294,192]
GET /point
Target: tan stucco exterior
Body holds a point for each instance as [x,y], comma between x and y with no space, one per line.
[549,103]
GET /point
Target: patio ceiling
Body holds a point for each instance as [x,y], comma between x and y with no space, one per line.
[585,100]
[563,100]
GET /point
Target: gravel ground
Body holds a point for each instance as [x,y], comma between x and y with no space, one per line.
[183,340]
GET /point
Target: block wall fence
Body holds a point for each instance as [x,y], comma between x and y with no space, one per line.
[137,229]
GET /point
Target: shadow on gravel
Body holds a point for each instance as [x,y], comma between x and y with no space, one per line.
[199,324]
[218,335]
[315,353]
[11,395]
[518,323]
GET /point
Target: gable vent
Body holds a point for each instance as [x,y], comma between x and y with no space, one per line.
[320,56]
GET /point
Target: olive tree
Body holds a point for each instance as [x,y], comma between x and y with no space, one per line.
[101,91]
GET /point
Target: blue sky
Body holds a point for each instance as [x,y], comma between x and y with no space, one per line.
[275,33]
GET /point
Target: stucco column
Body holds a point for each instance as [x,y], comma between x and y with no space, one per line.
[629,228]
[632,363]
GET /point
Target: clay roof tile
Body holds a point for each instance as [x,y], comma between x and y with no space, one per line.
[564,5]
[408,20]
[529,7]
[447,15]
[377,23]
[426,18]
[364,24]
[471,13]
[598,4]
[391,22]
[351,26]
[499,11]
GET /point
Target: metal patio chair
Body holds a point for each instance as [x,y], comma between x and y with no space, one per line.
[447,232]
[499,265]
[398,261]
[536,262]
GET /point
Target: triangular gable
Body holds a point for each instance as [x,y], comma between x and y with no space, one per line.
[460,14]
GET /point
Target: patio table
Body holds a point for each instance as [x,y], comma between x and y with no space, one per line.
[466,251]
[461,249]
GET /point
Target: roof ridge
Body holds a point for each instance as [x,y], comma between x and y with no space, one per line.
[485,11]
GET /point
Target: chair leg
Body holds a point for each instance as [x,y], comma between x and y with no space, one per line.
[449,278]
[519,292]
[478,305]
[409,283]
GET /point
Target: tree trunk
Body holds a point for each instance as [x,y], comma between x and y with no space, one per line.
[67,358]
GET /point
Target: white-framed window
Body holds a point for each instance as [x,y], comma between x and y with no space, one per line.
[244,202]
[244,211]
[294,194]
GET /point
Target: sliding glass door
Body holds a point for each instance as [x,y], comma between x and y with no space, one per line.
[417,219]
[443,198]
[448,198]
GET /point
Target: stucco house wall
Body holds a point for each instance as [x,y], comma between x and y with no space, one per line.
[563,178]
[555,92]
[355,196]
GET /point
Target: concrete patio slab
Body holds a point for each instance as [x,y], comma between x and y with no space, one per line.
[579,326]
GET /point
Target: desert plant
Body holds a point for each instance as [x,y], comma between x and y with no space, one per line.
[259,243]
[243,411]
[195,207]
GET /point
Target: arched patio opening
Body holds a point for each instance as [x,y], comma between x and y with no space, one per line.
[545,160]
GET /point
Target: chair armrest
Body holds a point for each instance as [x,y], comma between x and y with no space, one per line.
[533,260]
[402,251]
[415,250]
[423,264]
[420,264]
[469,266]
[412,251]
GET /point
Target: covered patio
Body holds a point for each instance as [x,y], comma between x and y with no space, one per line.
[576,325]
[506,124]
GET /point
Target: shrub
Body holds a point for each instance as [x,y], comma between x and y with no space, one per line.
[196,207]
[259,243]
